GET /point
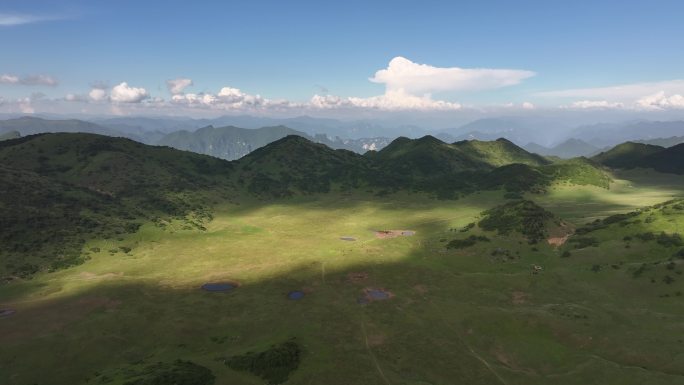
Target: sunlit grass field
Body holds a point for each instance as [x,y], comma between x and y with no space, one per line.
[455,316]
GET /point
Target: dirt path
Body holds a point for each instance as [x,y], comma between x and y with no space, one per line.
[370,353]
[470,349]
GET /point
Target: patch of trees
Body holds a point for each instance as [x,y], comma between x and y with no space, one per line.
[177,373]
[663,238]
[273,365]
[523,216]
[582,242]
[467,242]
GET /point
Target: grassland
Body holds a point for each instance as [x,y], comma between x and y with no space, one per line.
[476,315]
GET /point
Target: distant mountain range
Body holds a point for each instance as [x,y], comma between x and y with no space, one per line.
[571,148]
[550,133]
[224,142]
[231,141]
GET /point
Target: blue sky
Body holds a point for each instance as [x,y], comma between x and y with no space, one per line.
[294,50]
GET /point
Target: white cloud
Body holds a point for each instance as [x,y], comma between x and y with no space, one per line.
[414,78]
[528,106]
[594,104]
[660,101]
[98,94]
[25,106]
[622,93]
[123,93]
[31,80]
[229,98]
[391,100]
[409,86]
[9,79]
[177,86]
[9,19]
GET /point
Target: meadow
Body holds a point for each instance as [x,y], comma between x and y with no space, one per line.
[473,315]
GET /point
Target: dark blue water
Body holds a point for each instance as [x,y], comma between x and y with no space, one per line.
[408,233]
[377,294]
[218,286]
[348,238]
[6,312]
[295,295]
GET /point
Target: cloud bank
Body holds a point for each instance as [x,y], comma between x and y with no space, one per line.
[30,80]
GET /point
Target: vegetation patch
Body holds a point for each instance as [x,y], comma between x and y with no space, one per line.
[582,242]
[178,372]
[467,242]
[523,216]
[273,365]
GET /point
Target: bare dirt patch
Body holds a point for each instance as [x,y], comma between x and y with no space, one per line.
[421,289]
[384,234]
[357,277]
[561,235]
[519,297]
[376,339]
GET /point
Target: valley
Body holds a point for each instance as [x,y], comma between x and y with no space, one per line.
[501,308]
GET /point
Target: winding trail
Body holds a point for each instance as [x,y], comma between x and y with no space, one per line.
[370,353]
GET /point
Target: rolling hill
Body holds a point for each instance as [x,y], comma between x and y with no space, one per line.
[626,155]
[61,189]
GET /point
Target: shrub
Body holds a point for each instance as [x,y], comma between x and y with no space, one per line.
[467,227]
[582,242]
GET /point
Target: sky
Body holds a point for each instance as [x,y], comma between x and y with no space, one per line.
[344,58]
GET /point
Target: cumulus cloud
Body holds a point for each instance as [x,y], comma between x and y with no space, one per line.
[177,86]
[98,94]
[123,93]
[30,80]
[660,101]
[229,98]
[409,86]
[414,78]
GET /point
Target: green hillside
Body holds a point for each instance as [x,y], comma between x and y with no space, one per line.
[670,160]
[340,270]
[295,164]
[61,189]
[626,155]
[500,152]
[632,155]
